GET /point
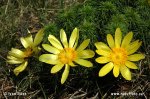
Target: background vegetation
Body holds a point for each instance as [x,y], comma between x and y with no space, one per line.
[94,18]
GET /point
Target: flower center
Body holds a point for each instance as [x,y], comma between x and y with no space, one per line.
[67,55]
[28,52]
[118,56]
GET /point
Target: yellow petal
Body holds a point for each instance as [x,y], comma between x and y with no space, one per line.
[18,61]
[63,38]
[103,52]
[38,37]
[76,42]
[73,37]
[132,45]
[55,42]
[118,37]
[125,72]
[50,49]
[116,70]
[127,39]
[131,65]
[49,58]
[83,45]
[106,69]
[134,49]
[102,60]
[36,50]
[110,41]
[29,39]
[136,57]
[24,42]
[84,62]
[16,53]
[57,68]
[72,64]
[101,45]
[9,57]
[20,68]
[86,54]
[65,74]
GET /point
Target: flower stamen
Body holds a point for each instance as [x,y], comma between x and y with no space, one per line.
[118,56]
[67,55]
[28,52]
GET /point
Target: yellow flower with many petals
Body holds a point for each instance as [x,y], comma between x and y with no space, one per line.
[119,55]
[16,56]
[66,54]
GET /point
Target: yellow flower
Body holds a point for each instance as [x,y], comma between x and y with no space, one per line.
[66,54]
[16,56]
[119,55]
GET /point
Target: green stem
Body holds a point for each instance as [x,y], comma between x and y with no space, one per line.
[42,90]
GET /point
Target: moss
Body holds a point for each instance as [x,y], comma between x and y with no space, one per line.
[94,17]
